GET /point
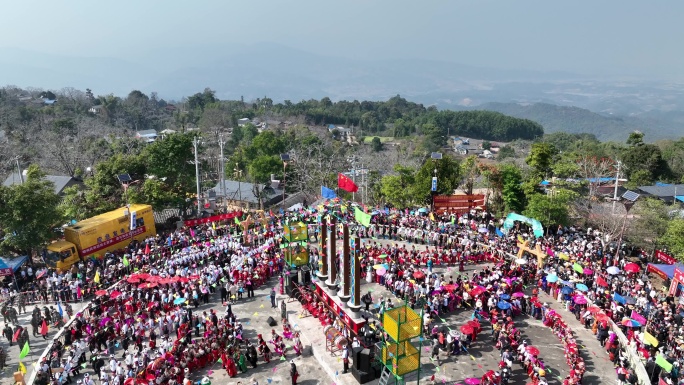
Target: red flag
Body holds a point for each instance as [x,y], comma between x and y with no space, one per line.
[147,249]
[44,328]
[346,184]
[16,335]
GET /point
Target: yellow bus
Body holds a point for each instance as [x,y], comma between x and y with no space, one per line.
[93,237]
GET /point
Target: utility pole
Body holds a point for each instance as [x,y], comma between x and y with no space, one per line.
[617,177]
[363,182]
[21,175]
[195,143]
[222,177]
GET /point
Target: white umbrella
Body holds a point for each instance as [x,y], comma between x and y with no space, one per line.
[521,261]
[613,270]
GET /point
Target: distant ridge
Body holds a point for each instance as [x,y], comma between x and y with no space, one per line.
[579,120]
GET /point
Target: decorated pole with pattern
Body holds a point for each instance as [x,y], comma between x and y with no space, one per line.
[346,276]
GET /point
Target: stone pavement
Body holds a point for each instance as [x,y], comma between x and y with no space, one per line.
[599,368]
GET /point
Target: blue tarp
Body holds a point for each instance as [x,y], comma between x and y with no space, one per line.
[661,184]
[667,270]
[13,263]
[679,198]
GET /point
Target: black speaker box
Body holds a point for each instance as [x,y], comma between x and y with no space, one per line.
[305,275]
[361,376]
[355,354]
[363,360]
[271,321]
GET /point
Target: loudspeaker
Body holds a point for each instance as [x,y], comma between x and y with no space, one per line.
[304,275]
[361,376]
[355,354]
[291,289]
[362,361]
[271,321]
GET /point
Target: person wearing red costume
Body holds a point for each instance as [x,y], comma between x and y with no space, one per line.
[229,365]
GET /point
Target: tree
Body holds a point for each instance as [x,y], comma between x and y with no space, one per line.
[394,187]
[551,209]
[648,223]
[674,238]
[448,179]
[376,144]
[541,158]
[28,213]
[592,169]
[646,159]
[486,145]
[470,171]
[636,138]
[511,190]
[505,152]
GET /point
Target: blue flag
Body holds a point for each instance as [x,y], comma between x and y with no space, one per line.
[59,308]
[328,193]
[618,298]
[499,232]
[281,211]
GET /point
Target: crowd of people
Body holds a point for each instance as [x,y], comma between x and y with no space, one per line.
[595,280]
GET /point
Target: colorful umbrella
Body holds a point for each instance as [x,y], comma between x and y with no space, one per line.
[601,282]
[141,275]
[578,268]
[518,294]
[593,309]
[532,350]
[378,266]
[551,278]
[630,323]
[581,300]
[567,290]
[178,301]
[632,268]
[588,271]
[382,256]
[581,287]
[477,290]
[450,287]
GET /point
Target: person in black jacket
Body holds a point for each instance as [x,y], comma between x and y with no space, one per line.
[293,372]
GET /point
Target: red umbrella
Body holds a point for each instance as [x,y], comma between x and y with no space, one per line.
[141,275]
[632,267]
[100,292]
[115,294]
[147,285]
[154,278]
[133,280]
[183,280]
[467,329]
[449,287]
[593,309]
[477,290]
[532,350]
[418,275]
[193,277]
[151,305]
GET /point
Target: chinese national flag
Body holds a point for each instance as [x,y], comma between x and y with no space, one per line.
[346,184]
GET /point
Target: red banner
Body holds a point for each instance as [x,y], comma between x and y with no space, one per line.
[112,241]
[215,218]
[4,272]
[678,276]
[458,204]
[665,257]
[652,269]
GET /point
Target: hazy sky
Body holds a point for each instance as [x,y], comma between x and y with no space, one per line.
[587,36]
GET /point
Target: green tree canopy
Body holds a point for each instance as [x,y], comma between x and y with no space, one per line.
[28,213]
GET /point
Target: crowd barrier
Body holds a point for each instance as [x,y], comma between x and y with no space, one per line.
[59,337]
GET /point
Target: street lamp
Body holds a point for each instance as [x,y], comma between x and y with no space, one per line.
[285,158]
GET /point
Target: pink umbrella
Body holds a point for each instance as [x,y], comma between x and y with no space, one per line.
[588,271]
[472,381]
[581,300]
[518,294]
[381,271]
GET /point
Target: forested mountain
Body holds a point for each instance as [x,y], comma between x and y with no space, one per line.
[578,120]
